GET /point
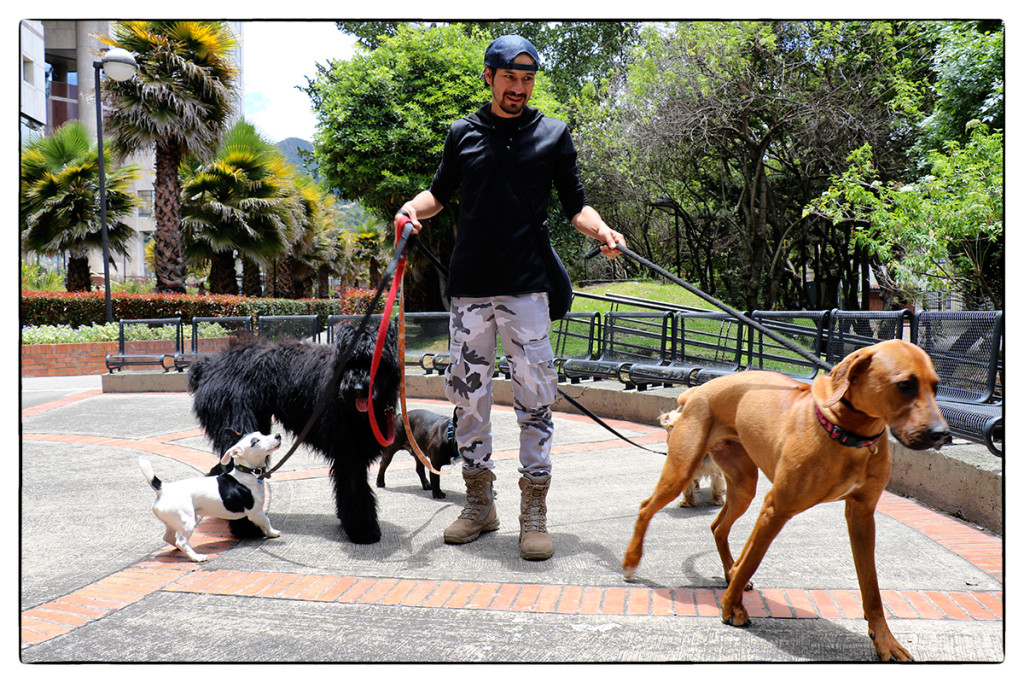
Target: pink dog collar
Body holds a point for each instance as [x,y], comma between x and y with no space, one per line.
[844,437]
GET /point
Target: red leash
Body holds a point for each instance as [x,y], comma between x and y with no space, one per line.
[396,287]
[382,334]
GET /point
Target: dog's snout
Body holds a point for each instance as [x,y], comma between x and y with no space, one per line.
[939,435]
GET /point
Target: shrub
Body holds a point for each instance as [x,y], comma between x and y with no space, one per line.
[85,309]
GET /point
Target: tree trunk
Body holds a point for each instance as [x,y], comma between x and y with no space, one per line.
[222,273]
[323,286]
[251,278]
[78,277]
[168,245]
[283,278]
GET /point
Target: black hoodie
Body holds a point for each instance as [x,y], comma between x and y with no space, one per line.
[504,169]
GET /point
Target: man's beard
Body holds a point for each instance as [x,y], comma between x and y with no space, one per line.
[512,107]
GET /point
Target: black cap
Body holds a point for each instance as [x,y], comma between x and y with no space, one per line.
[502,52]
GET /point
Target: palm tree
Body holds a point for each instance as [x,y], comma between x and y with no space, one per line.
[179,104]
[314,242]
[314,251]
[60,204]
[240,201]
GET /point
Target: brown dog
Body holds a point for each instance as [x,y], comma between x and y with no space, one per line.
[815,443]
[434,435]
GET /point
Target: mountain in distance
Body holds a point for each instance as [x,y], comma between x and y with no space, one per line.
[352,216]
[295,151]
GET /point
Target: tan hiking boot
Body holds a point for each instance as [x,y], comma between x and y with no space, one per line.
[534,541]
[479,514]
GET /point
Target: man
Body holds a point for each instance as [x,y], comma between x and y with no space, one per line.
[505,158]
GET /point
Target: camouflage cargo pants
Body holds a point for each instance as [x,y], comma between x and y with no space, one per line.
[523,324]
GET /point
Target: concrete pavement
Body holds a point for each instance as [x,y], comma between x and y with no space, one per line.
[99,585]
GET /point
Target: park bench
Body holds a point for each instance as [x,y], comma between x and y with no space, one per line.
[806,329]
[208,337]
[699,340]
[145,351]
[852,330]
[278,327]
[627,337]
[966,349]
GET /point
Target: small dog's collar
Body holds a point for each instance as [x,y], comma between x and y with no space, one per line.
[450,438]
[844,437]
[450,435]
[258,471]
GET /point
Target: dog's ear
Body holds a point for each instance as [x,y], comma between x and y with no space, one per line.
[844,374]
[230,455]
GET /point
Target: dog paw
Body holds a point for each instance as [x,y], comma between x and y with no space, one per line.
[363,536]
[439,494]
[889,649]
[628,573]
[273,533]
[737,616]
[687,504]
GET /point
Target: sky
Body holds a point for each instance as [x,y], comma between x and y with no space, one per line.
[277,56]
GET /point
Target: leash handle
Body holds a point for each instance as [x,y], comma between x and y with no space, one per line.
[596,249]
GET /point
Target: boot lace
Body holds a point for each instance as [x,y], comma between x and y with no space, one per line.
[476,499]
[534,510]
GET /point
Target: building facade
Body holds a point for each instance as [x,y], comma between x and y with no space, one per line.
[58,85]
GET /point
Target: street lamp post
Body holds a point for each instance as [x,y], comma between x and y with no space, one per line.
[120,65]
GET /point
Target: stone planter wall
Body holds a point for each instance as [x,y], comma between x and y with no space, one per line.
[55,360]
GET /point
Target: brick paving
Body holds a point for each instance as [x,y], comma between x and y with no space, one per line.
[169,571]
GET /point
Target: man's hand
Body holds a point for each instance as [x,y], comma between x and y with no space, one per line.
[611,239]
[589,222]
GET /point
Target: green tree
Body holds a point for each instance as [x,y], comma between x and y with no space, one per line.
[573,53]
[313,249]
[60,201]
[944,231]
[383,117]
[968,82]
[180,103]
[240,201]
[733,127]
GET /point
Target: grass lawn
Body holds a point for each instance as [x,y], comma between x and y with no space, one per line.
[644,289]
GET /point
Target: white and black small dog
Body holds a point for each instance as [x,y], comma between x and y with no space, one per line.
[235,494]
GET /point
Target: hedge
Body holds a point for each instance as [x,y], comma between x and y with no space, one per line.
[86,308]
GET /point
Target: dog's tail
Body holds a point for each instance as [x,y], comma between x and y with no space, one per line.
[669,419]
[147,471]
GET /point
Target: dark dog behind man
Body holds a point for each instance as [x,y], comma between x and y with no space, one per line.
[252,382]
[435,435]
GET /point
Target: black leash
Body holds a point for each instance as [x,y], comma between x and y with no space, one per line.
[579,406]
[707,297]
[404,243]
[586,411]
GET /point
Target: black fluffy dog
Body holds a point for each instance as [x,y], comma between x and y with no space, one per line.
[252,382]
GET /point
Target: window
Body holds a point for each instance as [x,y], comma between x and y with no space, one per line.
[145,203]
